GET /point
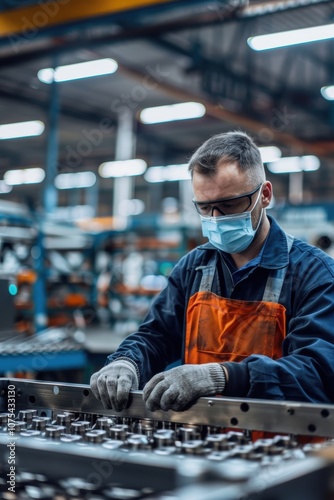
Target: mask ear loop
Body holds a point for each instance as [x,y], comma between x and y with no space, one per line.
[258,196]
[260,218]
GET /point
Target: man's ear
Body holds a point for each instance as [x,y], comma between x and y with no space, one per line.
[267,194]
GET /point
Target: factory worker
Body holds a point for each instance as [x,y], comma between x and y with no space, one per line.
[249,314]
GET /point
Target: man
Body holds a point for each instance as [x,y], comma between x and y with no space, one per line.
[250,314]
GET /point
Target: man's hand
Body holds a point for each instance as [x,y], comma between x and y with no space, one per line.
[113,383]
[176,388]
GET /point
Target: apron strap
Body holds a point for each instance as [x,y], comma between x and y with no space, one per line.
[274,282]
[208,274]
[276,278]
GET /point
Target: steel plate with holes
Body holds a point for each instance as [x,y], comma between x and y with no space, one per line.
[262,415]
[63,442]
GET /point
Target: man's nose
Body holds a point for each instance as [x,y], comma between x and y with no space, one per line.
[215,212]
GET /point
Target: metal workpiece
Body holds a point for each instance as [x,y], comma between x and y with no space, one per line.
[54,431]
[287,417]
[27,415]
[19,426]
[80,427]
[40,423]
[68,468]
[95,436]
[65,443]
[104,423]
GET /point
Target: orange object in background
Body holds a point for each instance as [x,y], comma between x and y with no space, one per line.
[70,300]
[75,300]
[60,320]
[26,276]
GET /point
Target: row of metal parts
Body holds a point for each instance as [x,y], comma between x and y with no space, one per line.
[162,438]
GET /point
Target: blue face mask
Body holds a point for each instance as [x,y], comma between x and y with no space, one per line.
[231,233]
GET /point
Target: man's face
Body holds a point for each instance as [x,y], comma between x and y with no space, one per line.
[229,183]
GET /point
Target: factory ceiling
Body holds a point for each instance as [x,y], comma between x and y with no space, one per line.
[167,52]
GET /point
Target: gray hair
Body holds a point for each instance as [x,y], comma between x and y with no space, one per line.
[225,148]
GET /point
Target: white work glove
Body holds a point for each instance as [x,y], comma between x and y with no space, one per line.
[113,383]
[175,389]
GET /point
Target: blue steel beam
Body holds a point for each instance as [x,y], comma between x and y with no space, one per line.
[43,361]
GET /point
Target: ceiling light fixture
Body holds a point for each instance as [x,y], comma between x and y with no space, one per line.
[328,92]
[168,173]
[294,164]
[75,180]
[270,153]
[76,71]
[24,176]
[4,188]
[21,129]
[172,112]
[293,37]
[122,168]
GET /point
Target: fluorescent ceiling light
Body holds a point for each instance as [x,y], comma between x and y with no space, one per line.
[168,173]
[78,70]
[293,37]
[4,188]
[122,168]
[328,92]
[75,180]
[21,129]
[172,112]
[294,164]
[131,207]
[270,153]
[24,176]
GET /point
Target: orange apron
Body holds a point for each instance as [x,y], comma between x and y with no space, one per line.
[221,329]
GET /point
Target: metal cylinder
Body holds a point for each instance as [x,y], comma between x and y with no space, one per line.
[19,426]
[139,442]
[95,435]
[27,416]
[79,427]
[189,432]
[164,437]
[119,431]
[54,431]
[40,423]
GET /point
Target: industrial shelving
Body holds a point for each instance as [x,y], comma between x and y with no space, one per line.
[27,342]
[137,263]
